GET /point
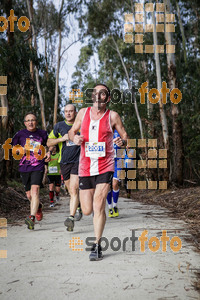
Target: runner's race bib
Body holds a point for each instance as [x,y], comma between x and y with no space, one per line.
[34,145]
[53,170]
[70,143]
[95,150]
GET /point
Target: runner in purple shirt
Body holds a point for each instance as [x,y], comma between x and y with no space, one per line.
[31,168]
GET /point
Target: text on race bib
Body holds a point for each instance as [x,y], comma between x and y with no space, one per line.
[53,169]
[95,150]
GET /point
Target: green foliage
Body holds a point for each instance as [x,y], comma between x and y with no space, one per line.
[15,63]
[101,27]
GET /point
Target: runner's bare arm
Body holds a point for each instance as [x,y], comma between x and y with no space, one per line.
[116,123]
[54,142]
[47,156]
[77,139]
[45,174]
[51,149]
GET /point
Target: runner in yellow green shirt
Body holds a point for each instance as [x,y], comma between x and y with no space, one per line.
[54,176]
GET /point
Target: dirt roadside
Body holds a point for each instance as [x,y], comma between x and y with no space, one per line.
[183,204]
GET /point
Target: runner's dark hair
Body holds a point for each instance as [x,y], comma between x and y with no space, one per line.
[103,85]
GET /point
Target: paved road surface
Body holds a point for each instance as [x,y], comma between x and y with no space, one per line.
[41,265]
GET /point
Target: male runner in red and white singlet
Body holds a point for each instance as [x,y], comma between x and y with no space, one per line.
[96,164]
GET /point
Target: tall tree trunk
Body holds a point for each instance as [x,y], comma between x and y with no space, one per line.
[149,104]
[31,62]
[177,174]
[58,65]
[105,69]
[6,125]
[4,119]
[163,118]
[32,83]
[45,53]
[4,164]
[182,33]
[57,80]
[10,41]
[130,87]
[36,70]
[10,35]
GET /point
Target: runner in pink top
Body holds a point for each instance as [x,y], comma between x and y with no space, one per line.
[94,132]
[96,165]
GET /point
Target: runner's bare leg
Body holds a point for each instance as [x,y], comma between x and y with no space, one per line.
[86,200]
[57,188]
[115,184]
[67,182]
[28,195]
[99,203]
[51,187]
[74,193]
[35,190]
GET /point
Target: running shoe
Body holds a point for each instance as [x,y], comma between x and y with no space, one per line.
[69,223]
[39,214]
[116,212]
[30,223]
[57,198]
[52,204]
[96,253]
[78,214]
[111,213]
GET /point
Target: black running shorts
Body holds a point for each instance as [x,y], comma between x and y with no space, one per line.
[90,182]
[54,179]
[67,169]
[31,178]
